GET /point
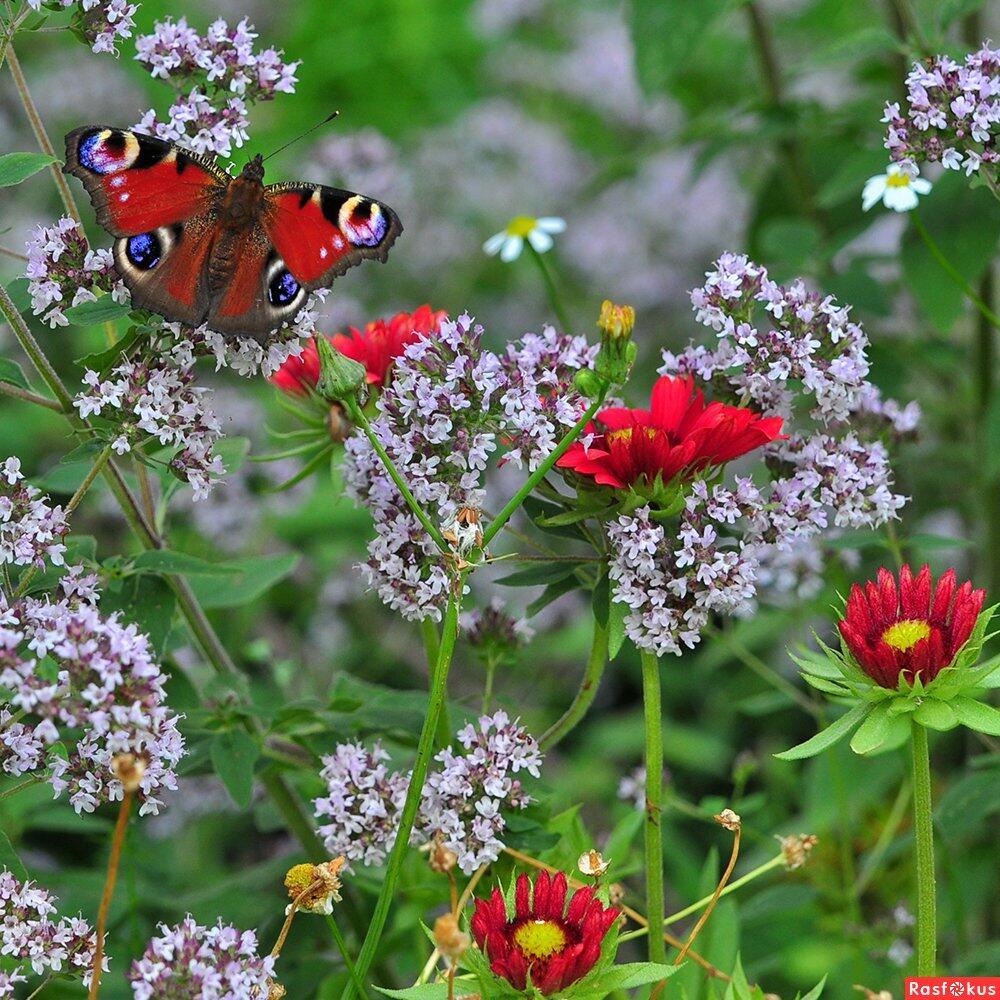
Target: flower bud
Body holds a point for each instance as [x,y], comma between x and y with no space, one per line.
[587,383]
[340,377]
[129,770]
[616,321]
[797,848]
[730,820]
[450,940]
[442,859]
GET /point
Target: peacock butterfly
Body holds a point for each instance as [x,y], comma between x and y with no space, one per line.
[197,245]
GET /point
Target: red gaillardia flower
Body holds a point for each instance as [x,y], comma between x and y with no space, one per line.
[376,347]
[900,632]
[678,434]
[556,945]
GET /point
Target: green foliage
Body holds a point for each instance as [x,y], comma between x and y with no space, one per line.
[17,167]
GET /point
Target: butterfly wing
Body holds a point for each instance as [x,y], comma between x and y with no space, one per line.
[161,204]
[307,236]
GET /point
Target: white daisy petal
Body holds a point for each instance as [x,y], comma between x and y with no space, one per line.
[494,243]
[873,191]
[540,240]
[512,247]
[551,224]
[900,199]
[921,185]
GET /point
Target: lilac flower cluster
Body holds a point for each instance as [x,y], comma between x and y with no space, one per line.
[952,114]
[63,271]
[494,629]
[462,802]
[32,936]
[363,802]
[189,960]
[100,22]
[450,404]
[463,798]
[808,339]
[222,73]
[672,584]
[30,530]
[157,399]
[91,681]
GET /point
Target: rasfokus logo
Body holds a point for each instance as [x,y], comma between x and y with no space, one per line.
[952,986]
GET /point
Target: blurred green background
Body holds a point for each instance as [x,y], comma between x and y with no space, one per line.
[665,134]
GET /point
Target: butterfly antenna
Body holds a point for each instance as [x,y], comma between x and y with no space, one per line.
[302,135]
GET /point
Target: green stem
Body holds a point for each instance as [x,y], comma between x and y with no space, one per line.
[6,794]
[877,854]
[491,669]
[543,470]
[29,397]
[345,955]
[952,272]
[425,748]
[592,674]
[358,417]
[923,828]
[654,801]
[702,903]
[550,288]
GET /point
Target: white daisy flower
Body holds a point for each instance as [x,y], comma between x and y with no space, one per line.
[897,188]
[509,242]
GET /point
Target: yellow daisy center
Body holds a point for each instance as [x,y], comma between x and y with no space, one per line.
[540,938]
[899,180]
[905,635]
[521,225]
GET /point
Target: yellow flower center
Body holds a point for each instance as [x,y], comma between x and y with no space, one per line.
[905,635]
[521,225]
[540,938]
[299,878]
[900,180]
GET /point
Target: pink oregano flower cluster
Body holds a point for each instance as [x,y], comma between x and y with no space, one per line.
[90,682]
[36,940]
[452,404]
[951,114]
[101,22]
[462,803]
[31,530]
[222,73]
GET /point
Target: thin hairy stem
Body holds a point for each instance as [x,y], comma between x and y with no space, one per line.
[592,674]
[345,954]
[551,290]
[653,715]
[923,830]
[114,860]
[27,396]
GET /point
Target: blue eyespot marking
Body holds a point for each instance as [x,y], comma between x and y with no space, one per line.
[144,250]
[282,289]
[366,225]
[104,153]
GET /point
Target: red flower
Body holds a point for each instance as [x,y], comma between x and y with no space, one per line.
[381,342]
[678,435]
[914,629]
[556,947]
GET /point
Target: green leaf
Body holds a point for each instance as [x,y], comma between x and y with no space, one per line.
[667,37]
[255,577]
[103,310]
[101,361]
[551,593]
[817,991]
[881,730]
[147,601]
[173,563]
[977,715]
[600,601]
[10,372]
[432,991]
[616,628]
[936,714]
[16,167]
[826,738]
[234,755]
[538,574]
[9,858]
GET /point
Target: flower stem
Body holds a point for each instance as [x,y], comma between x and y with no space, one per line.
[592,674]
[29,397]
[357,415]
[425,747]
[654,800]
[923,828]
[352,971]
[8,792]
[952,271]
[550,288]
[763,869]
[117,842]
[41,136]
[542,471]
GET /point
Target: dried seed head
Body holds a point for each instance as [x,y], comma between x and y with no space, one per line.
[275,991]
[129,770]
[797,848]
[337,425]
[730,820]
[441,859]
[313,888]
[591,863]
[450,939]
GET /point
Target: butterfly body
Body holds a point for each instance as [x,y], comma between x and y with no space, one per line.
[197,245]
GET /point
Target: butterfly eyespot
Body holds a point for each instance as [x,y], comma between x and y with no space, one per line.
[106,151]
[282,288]
[363,222]
[144,250]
